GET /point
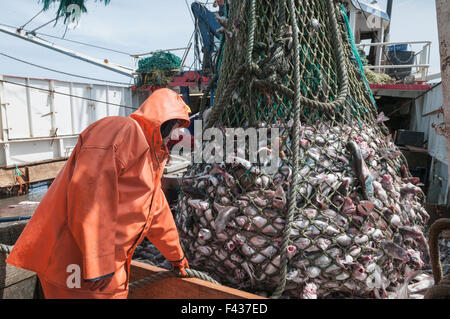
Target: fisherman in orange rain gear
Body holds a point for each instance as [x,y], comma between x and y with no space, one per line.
[102,204]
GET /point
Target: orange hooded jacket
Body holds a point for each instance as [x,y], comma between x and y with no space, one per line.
[103,202]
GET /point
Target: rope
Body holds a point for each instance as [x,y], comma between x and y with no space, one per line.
[34,17]
[191,273]
[5,249]
[251,38]
[68,40]
[296,144]
[295,60]
[61,72]
[252,69]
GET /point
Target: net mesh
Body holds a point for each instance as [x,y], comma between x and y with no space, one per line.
[342,216]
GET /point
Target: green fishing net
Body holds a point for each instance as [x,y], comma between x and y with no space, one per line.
[157,70]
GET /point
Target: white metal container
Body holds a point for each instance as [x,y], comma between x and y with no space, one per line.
[41,119]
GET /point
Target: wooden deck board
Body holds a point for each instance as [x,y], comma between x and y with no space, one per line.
[180,288]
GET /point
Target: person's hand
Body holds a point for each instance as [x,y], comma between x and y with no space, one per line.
[100,284]
[181,266]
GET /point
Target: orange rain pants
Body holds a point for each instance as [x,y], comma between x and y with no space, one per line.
[103,203]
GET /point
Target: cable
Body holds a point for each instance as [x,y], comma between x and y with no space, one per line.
[68,40]
[61,72]
[23,26]
[70,95]
[190,12]
[84,43]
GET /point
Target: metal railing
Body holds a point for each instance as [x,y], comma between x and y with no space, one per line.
[421,63]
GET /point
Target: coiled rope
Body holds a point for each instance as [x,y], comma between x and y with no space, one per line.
[191,273]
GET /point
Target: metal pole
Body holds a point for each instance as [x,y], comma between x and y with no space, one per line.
[389,8]
[102,63]
[443,17]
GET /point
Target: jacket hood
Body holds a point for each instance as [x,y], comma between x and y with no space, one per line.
[161,106]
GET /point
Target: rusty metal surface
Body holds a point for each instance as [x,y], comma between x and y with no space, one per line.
[443,16]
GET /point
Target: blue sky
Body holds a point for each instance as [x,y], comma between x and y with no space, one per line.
[138,26]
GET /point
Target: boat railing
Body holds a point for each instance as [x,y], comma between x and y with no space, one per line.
[421,64]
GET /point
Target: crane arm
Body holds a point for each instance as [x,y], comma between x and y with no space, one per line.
[36,40]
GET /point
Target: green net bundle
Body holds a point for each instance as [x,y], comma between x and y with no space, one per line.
[377,78]
[165,61]
[341,216]
[157,70]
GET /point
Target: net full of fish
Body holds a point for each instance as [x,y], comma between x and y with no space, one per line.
[357,229]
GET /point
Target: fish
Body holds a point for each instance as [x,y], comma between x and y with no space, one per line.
[291,251]
[387,182]
[382,118]
[313,272]
[379,191]
[365,208]
[234,160]
[410,189]
[259,241]
[343,240]
[223,216]
[395,251]
[302,243]
[198,204]
[204,234]
[309,291]
[348,208]
[279,200]
[250,272]
[259,221]
[361,170]
[204,250]
[305,143]
[347,224]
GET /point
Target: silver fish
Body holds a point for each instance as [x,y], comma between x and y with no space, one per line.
[269,251]
[223,216]
[395,251]
[279,200]
[302,243]
[259,221]
[323,243]
[198,204]
[343,240]
[313,272]
[291,251]
[225,201]
[209,215]
[241,220]
[247,250]
[322,261]
[270,230]
[204,250]
[258,241]
[204,234]
[222,190]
